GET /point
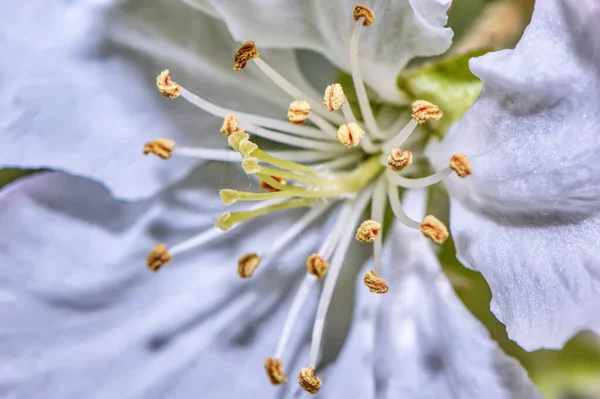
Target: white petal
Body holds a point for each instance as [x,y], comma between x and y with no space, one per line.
[403,29]
[79,93]
[83,317]
[533,136]
[544,273]
[427,344]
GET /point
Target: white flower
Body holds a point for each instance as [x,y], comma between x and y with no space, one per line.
[527,218]
[92,324]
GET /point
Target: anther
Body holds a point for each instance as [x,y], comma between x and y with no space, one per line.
[317,266]
[423,111]
[298,112]
[235,139]
[368,231]
[461,165]
[230,125]
[162,148]
[158,257]
[399,160]
[247,264]
[247,52]
[375,283]
[334,97]
[362,11]
[267,187]
[166,86]
[251,166]
[274,369]
[350,134]
[308,381]
[221,221]
[434,229]
[228,196]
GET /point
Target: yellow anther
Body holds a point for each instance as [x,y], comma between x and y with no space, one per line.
[350,134]
[166,86]
[267,187]
[228,196]
[298,112]
[247,264]
[274,369]
[423,111]
[375,283]
[399,160]
[158,257]
[434,229]
[334,97]
[251,165]
[221,221]
[246,147]
[230,125]
[316,265]
[308,381]
[368,231]
[362,11]
[162,148]
[247,52]
[461,165]
[235,139]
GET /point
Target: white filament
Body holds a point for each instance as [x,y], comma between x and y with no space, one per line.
[296,93]
[295,141]
[397,208]
[401,137]
[359,86]
[377,213]
[418,183]
[309,280]
[345,239]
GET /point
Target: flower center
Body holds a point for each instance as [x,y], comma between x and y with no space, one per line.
[340,159]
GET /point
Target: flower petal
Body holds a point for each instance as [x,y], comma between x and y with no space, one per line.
[533,135]
[79,92]
[426,343]
[544,273]
[403,30]
[82,316]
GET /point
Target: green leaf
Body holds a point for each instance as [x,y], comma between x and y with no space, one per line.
[10,175]
[447,83]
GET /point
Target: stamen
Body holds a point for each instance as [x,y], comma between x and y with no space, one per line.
[162,148]
[423,111]
[247,52]
[270,186]
[368,231]
[200,239]
[375,283]
[362,11]
[251,166]
[230,125]
[361,93]
[316,265]
[247,264]
[298,111]
[166,86]
[158,257]
[334,97]
[399,160]
[274,369]
[236,139]
[434,229]
[209,154]
[308,381]
[350,134]
[228,196]
[461,165]
[401,137]
[316,144]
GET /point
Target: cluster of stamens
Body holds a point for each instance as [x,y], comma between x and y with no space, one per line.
[298,179]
